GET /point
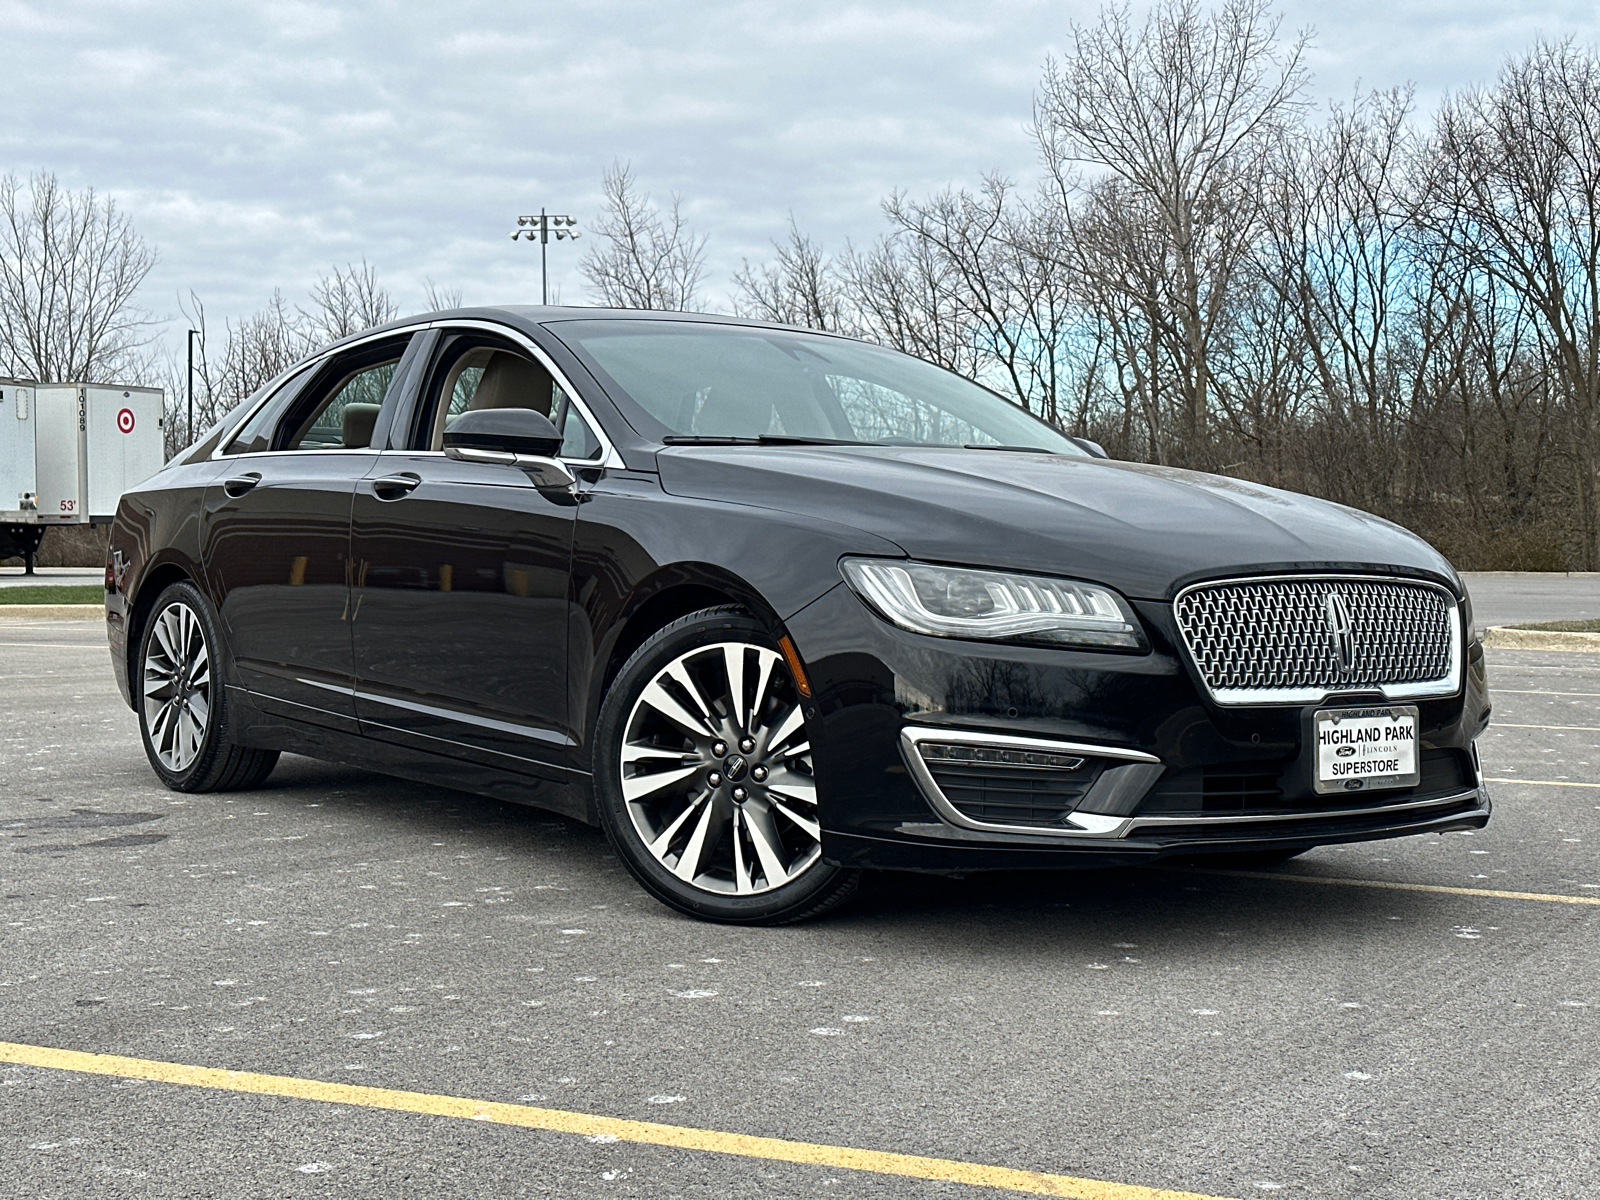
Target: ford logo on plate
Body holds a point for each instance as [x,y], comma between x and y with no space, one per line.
[1345,751]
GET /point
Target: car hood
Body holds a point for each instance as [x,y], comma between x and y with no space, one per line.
[1144,530]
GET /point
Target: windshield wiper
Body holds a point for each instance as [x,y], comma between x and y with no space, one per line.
[1012,449]
[765,439]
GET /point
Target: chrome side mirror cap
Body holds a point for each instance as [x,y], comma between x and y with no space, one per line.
[547,474]
[514,437]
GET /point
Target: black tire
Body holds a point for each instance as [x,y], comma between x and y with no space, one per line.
[180,662]
[768,805]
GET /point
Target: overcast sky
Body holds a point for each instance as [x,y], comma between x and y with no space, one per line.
[255,146]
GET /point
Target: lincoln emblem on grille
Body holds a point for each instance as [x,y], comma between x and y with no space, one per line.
[1336,613]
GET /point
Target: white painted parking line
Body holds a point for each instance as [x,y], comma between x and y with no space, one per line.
[1542,782]
[96,645]
[1398,886]
[1514,725]
[1499,691]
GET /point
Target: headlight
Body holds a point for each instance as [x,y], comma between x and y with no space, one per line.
[963,602]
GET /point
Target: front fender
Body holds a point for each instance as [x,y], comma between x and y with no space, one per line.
[634,543]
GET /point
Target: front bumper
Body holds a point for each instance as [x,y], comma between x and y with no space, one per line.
[1164,772]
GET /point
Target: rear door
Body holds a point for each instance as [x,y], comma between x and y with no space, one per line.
[276,542]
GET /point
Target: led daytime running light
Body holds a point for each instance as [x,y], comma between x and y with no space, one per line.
[965,602]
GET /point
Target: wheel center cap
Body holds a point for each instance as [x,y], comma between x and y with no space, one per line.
[735,767]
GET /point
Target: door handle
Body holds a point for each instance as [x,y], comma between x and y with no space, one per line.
[394,487]
[241,484]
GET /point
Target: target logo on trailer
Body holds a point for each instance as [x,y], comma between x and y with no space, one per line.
[125,420]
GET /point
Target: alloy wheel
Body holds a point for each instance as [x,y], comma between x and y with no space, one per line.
[716,771]
[177,687]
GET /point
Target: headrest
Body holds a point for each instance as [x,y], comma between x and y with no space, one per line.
[358,422]
[512,382]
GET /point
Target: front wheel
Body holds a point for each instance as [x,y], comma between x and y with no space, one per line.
[704,780]
[181,703]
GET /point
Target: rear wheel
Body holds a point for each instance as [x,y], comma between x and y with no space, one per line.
[181,702]
[704,779]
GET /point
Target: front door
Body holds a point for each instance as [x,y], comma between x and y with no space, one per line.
[276,538]
[459,617]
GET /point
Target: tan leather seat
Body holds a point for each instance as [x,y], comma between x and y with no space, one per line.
[512,382]
[358,422]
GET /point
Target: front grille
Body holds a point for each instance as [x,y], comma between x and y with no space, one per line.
[1294,640]
[998,793]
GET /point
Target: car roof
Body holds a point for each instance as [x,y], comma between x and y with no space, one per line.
[530,316]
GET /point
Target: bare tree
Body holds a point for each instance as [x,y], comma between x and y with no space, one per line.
[1120,252]
[1008,277]
[441,299]
[1185,111]
[650,259]
[906,297]
[346,302]
[803,287]
[255,350]
[1515,188]
[70,266]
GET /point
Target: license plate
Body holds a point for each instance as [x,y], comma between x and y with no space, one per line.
[1361,749]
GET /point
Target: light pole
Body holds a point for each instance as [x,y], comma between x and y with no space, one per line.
[193,333]
[540,229]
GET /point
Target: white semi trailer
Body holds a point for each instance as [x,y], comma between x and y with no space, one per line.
[67,453]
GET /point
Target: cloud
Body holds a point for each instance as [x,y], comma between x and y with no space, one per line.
[256,146]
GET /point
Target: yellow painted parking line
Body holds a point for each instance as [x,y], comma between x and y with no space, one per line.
[1542,782]
[680,1137]
[1513,725]
[1395,886]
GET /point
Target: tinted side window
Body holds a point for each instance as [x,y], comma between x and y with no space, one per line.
[473,372]
[256,433]
[338,410]
[577,439]
[344,420]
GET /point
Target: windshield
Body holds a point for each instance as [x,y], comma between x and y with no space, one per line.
[683,379]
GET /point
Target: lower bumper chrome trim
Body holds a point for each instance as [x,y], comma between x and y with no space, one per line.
[1121,786]
[1154,824]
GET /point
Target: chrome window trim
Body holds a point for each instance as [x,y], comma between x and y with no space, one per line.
[244,454]
[1429,689]
[1083,824]
[608,453]
[316,360]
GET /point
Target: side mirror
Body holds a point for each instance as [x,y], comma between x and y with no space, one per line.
[516,437]
[1094,448]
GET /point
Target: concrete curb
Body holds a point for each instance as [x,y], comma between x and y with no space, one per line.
[1501,637]
[52,612]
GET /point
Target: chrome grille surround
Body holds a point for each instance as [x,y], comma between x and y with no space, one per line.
[1276,639]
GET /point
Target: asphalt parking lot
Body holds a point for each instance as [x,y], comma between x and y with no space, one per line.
[1339,1030]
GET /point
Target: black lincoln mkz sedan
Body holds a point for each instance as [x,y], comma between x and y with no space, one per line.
[772,606]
